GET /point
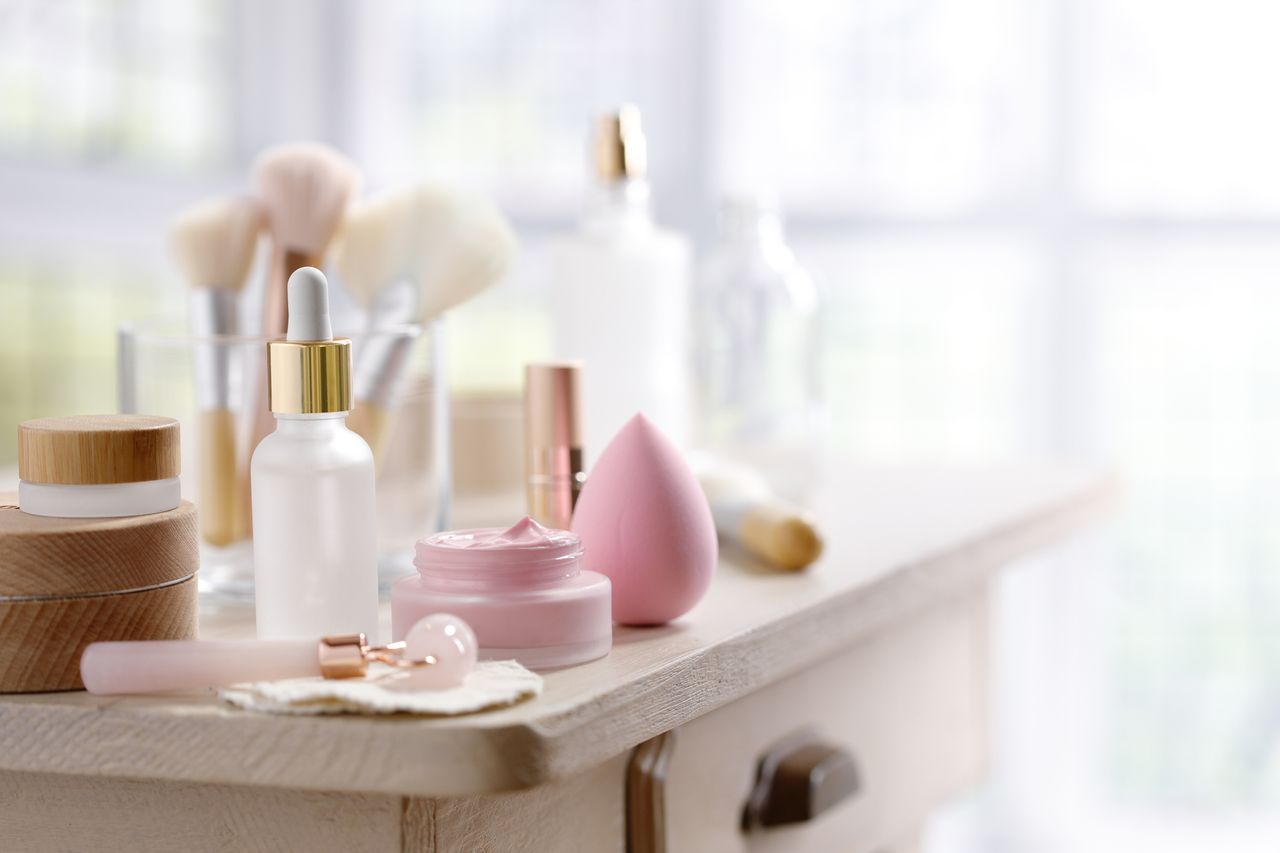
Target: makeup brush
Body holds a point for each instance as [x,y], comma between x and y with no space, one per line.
[408,256]
[748,514]
[213,245]
[305,189]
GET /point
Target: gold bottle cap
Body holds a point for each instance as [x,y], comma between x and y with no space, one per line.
[309,372]
[309,377]
[98,449]
[620,145]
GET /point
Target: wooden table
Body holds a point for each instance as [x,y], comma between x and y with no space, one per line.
[879,650]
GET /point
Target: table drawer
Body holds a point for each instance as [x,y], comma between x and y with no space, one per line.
[909,706]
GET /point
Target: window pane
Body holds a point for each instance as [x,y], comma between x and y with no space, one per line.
[918,107]
[500,94]
[1188,371]
[926,345]
[1177,102]
[140,81]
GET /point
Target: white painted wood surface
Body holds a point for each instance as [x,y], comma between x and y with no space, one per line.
[898,542]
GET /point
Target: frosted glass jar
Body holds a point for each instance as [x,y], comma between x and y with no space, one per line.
[98,466]
[522,590]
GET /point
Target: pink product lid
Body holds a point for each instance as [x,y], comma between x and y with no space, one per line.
[525,554]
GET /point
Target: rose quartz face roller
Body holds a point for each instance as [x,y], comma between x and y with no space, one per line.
[437,653]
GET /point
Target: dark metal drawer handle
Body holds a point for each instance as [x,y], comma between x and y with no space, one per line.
[647,795]
[797,780]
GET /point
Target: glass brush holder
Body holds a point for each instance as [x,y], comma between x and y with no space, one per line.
[216,387]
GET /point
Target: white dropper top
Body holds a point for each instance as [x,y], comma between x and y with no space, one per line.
[308,306]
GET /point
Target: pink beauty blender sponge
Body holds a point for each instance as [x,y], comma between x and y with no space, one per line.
[645,523]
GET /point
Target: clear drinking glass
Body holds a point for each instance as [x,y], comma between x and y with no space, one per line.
[212,385]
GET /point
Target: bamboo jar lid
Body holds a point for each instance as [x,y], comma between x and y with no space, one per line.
[98,449]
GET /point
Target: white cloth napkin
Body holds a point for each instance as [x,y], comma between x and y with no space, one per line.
[492,684]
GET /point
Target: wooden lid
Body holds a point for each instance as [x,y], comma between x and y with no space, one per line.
[97,449]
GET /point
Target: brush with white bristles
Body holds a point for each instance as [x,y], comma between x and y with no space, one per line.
[305,189]
[408,256]
[213,245]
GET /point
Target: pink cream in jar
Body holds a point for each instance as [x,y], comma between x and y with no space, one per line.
[522,590]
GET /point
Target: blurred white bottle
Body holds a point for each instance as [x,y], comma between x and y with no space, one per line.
[620,296]
[758,349]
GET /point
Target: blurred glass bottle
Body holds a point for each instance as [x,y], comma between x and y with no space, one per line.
[758,349]
[620,294]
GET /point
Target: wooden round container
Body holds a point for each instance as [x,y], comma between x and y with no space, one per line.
[69,582]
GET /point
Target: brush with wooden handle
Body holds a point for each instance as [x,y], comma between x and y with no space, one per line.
[408,256]
[305,189]
[213,244]
[748,514]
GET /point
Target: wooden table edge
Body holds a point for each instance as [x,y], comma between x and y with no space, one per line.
[562,741]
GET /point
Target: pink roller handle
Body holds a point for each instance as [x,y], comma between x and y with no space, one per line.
[159,665]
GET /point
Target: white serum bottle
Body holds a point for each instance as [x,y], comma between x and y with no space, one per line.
[315,553]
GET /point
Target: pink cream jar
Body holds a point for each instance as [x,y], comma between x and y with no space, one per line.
[521,590]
